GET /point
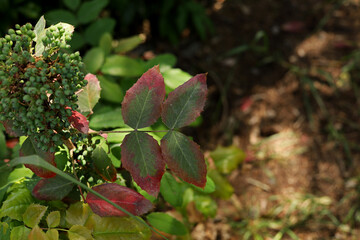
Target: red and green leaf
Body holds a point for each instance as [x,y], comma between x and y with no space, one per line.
[141,106]
[52,188]
[185,103]
[29,148]
[103,165]
[89,95]
[126,198]
[141,156]
[79,121]
[184,157]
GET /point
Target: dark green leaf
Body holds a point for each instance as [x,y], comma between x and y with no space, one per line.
[72,4]
[90,10]
[3,148]
[55,188]
[122,66]
[184,158]
[77,41]
[166,223]
[111,119]
[93,59]
[110,91]
[103,164]
[94,32]
[106,43]
[59,15]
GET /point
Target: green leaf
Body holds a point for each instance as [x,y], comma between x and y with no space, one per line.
[39,48]
[78,214]
[223,189]
[3,148]
[209,187]
[171,190]
[20,233]
[53,219]
[166,223]
[72,4]
[93,59]
[37,234]
[185,103]
[141,156]
[55,188]
[16,204]
[77,41]
[39,29]
[184,158]
[165,61]
[20,173]
[142,103]
[111,119]
[89,95]
[77,232]
[90,10]
[110,91]
[59,15]
[62,158]
[119,228]
[103,165]
[227,159]
[174,77]
[33,214]
[98,28]
[122,66]
[106,43]
[52,234]
[127,44]
[206,205]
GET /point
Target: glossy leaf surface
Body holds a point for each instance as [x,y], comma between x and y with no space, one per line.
[79,121]
[89,95]
[141,156]
[119,228]
[33,214]
[166,223]
[29,148]
[184,157]
[141,106]
[126,198]
[185,103]
[52,188]
[103,165]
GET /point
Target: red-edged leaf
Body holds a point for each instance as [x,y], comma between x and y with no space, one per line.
[126,198]
[9,128]
[185,103]
[184,158]
[55,188]
[29,148]
[141,106]
[79,121]
[141,156]
[103,165]
[89,95]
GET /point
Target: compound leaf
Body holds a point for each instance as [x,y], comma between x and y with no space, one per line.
[52,188]
[119,228]
[141,106]
[141,156]
[103,165]
[166,223]
[29,148]
[184,158]
[126,198]
[185,103]
[33,214]
[89,95]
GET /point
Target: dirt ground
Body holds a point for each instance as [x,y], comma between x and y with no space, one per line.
[289,102]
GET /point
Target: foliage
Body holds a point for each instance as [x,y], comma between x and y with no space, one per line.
[68,157]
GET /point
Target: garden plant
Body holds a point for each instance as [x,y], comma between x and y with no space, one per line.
[77,184]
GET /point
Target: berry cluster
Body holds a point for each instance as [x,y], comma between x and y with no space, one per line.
[36,89]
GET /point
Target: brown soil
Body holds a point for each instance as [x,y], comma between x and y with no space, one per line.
[295,96]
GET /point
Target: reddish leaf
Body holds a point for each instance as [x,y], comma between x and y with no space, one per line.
[141,156]
[103,165]
[142,103]
[293,27]
[89,95]
[126,198]
[11,143]
[79,121]
[52,188]
[185,103]
[8,125]
[184,158]
[29,148]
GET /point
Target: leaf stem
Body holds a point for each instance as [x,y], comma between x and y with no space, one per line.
[125,131]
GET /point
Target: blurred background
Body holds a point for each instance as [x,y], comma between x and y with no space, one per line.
[281,126]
